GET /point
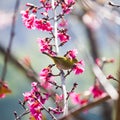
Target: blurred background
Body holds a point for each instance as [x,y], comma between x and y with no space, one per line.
[94,27]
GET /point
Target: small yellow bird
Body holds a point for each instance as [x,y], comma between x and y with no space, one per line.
[63,63]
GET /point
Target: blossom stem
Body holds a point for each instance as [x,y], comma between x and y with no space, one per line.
[68,72]
[55,84]
[116,80]
[55,26]
[21,115]
[65,109]
[53,117]
[72,90]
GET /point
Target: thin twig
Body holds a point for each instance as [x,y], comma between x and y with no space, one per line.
[116,80]
[22,103]
[21,115]
[53,117]
[68,72]
[55,84]
[12,34]
[72,90]
[113,5]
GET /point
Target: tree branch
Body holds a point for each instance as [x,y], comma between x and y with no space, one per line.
[12,34]
[65,108]
[76,111]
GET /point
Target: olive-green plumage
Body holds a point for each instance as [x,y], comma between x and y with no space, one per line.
[63,62]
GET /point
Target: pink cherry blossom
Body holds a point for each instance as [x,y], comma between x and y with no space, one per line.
[63,23]
[78,67]
[35,100]
[44,45]
[72,54]
[43,25]
[35,110]
[65,8]
[97,91]
[110,77]
[77,99]
[46,76]
[28,20]
[69,2]
[63,36]
[67,5]
[46,5]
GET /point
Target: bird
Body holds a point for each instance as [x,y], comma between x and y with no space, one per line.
[62,62]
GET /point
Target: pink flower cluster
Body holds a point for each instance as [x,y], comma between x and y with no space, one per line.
[72,53]
[31,21]
[35,101]
[63,23]
[28,20]
[46,4]
[45,46]
[46,77]
[63,36]
[83,98]
[96,91]
[67,5]
[43,25]
[77,99]
[78,67]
